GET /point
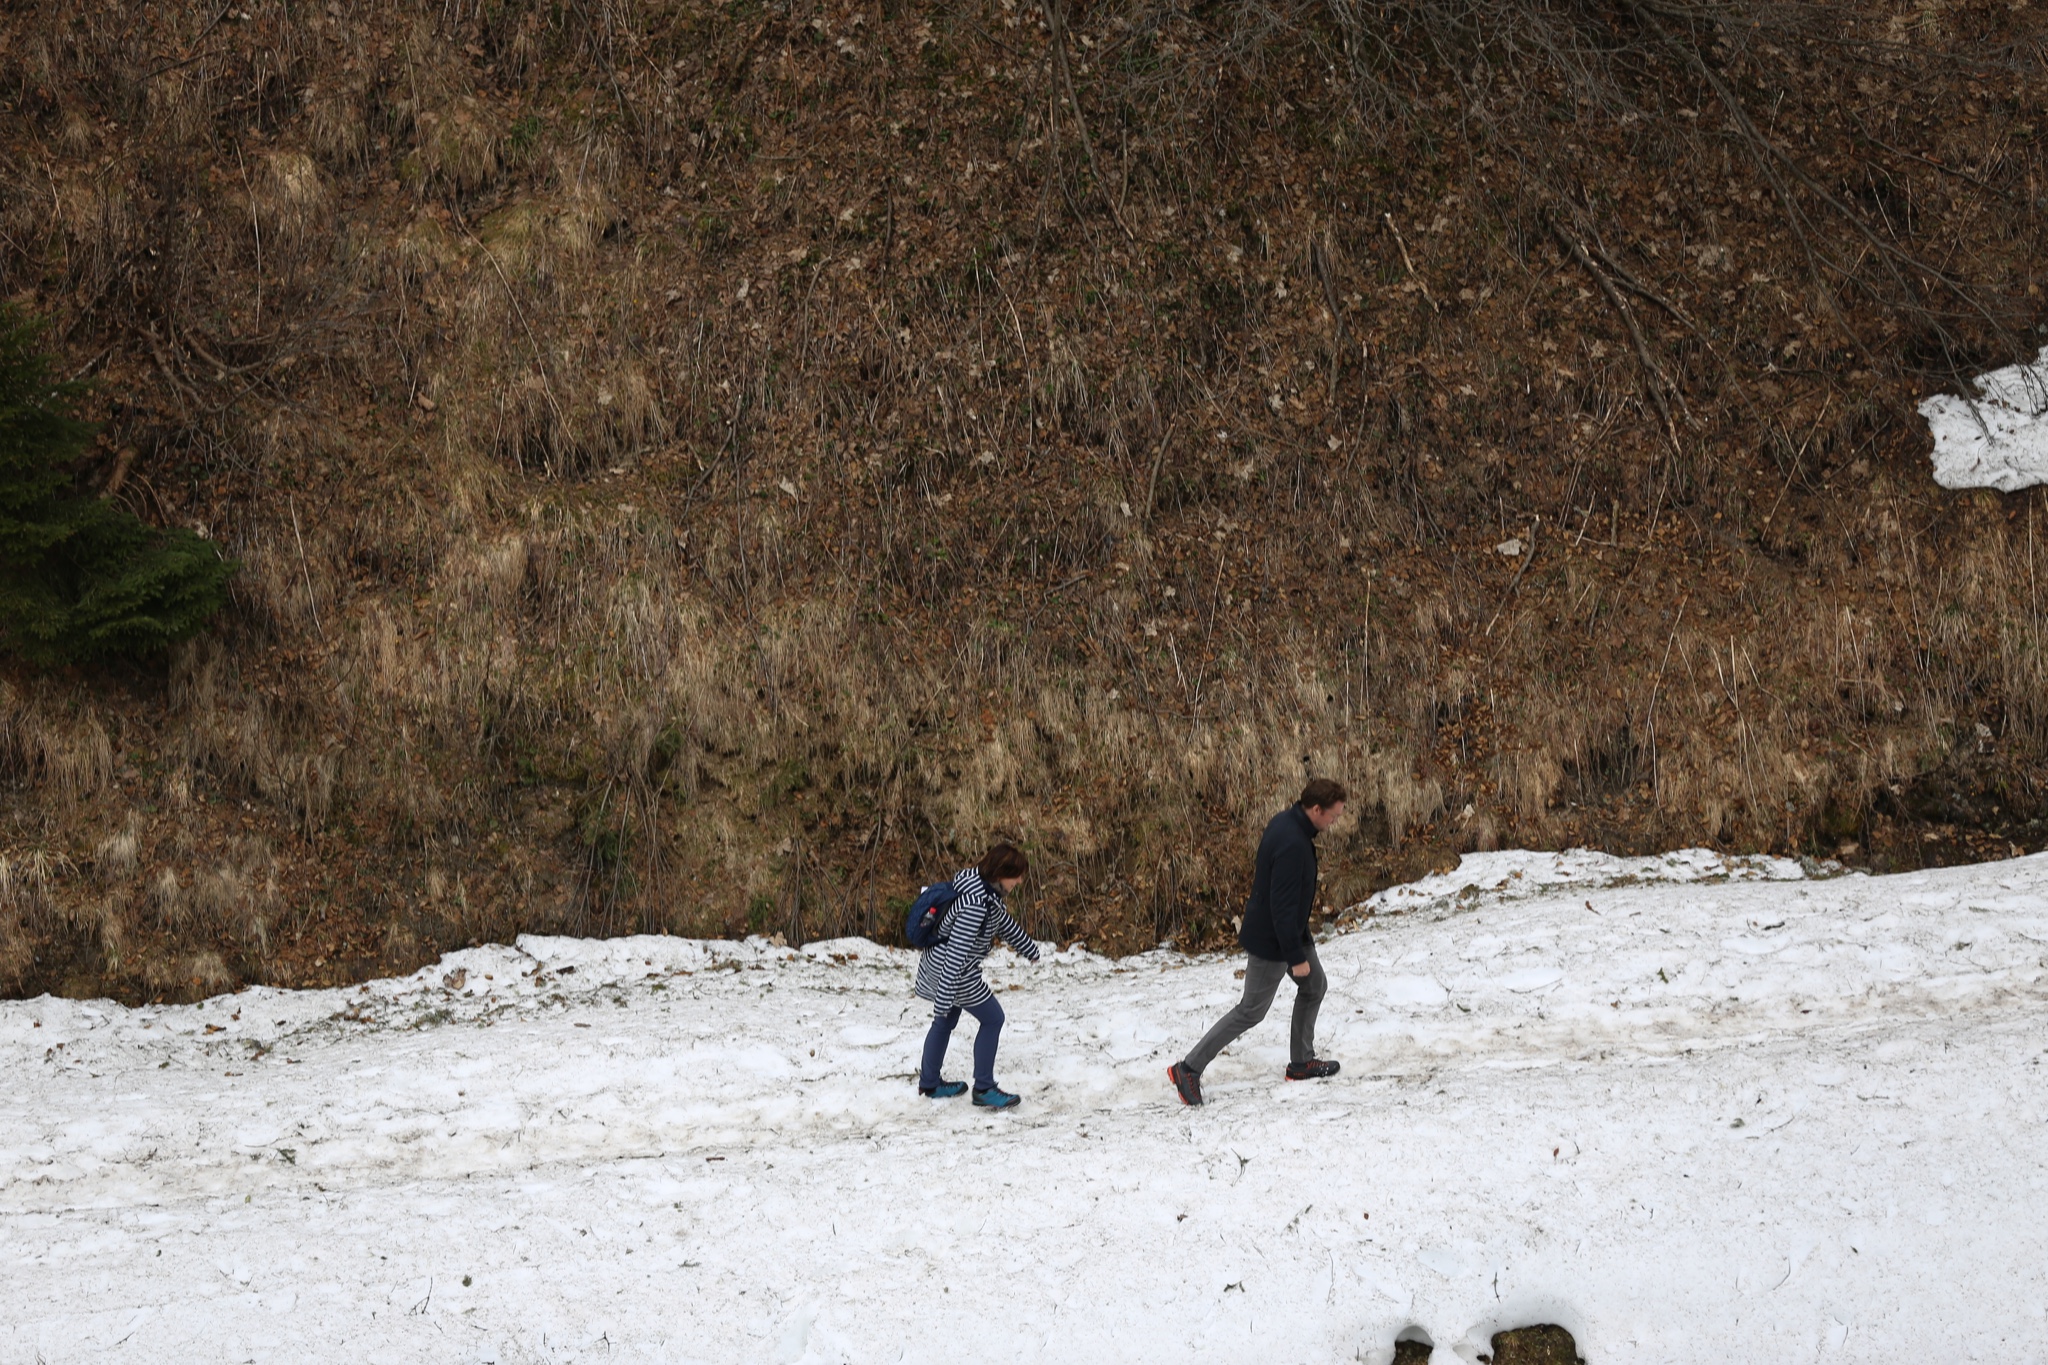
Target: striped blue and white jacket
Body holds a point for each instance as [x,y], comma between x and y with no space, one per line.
[950,975]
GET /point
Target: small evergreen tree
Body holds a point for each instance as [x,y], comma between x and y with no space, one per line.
[80,577]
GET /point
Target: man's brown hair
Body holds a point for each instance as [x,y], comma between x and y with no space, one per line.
[1322,792]
[1003,861]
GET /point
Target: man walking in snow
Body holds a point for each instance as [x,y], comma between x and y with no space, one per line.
[1276,941]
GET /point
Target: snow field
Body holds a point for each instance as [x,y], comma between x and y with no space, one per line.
[1688,1109]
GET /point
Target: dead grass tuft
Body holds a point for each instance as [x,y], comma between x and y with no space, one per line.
[116,857]
[238,896]
[167,898]
[1409,802]
[337,123]
[70,757]
[17,949]
[208,974]
[457,145]
[292,199]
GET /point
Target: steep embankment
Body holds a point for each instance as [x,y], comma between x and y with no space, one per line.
[694,468]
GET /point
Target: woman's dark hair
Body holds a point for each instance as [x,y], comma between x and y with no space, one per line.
[1322,793]
[1003,861]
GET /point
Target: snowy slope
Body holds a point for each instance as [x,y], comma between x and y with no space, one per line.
[1705,1119]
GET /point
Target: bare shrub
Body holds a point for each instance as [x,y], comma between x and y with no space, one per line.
[98,219]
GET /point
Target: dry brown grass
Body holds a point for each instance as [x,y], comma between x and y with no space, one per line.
[690,475]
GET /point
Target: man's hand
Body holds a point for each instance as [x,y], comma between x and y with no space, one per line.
[1299,969]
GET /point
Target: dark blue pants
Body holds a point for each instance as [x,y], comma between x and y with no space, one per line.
[989,1015]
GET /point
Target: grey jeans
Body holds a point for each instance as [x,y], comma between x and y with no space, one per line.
[1261,982]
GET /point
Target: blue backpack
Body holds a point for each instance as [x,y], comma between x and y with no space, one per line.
[927,912]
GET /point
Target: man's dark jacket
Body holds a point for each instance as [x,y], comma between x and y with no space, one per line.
[1283,890]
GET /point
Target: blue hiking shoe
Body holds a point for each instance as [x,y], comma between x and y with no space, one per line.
[944,1090]
[995,1097]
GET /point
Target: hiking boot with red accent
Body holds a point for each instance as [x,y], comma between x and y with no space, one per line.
[1188,1083]
[1314,1069]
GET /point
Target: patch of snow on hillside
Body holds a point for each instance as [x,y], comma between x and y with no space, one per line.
[1514,873]
[1998,440]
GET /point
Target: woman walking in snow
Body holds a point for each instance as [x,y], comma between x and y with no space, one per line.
[949,974]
